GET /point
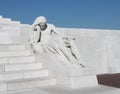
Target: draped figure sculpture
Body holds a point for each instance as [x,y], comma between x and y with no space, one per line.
[46,39]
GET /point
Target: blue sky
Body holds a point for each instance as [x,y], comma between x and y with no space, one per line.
[100,14]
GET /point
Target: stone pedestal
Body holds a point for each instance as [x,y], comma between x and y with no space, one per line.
[5,38]
[77,81]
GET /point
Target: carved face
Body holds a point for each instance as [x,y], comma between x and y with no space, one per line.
[42,25]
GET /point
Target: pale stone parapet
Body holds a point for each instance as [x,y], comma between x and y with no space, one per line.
[31,83]
[16,40]
[15,22]
[7,19]
[18,60]
[88,32]
[4,38]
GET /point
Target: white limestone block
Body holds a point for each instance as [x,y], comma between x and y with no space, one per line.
[12,47]
[21,67]
[25,33]
[31,83]
[13,33]
[22,59]
[84,81]
[3,87]
[3,47]
[11,28]
[14,53]
[17,47]
[3,60]
[114,68]
[36,74]
[2,67]
[4,38]
[18,59]
[93,52]
[10,76]
[7,19]
[16,40]
[77,81]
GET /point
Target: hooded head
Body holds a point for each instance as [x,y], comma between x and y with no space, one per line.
[39,20]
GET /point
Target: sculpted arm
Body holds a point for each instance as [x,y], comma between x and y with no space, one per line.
[34,34]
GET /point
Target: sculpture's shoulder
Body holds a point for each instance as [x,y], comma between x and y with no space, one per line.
[52,26]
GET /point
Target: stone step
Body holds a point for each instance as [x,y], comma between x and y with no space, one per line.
[23,66]
[14,53]
[77,81]
[83,81]
[17,59]
[27,83]
[7,76]
[10,47]
[7,21]
[3,86]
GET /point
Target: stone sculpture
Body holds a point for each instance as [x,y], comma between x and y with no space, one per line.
[46,39]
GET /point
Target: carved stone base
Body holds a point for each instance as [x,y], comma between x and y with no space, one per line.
[77,81]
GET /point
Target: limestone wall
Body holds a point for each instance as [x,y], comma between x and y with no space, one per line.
[98,48]
[9,30]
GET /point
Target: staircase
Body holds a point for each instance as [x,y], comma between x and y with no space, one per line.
[18,66]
